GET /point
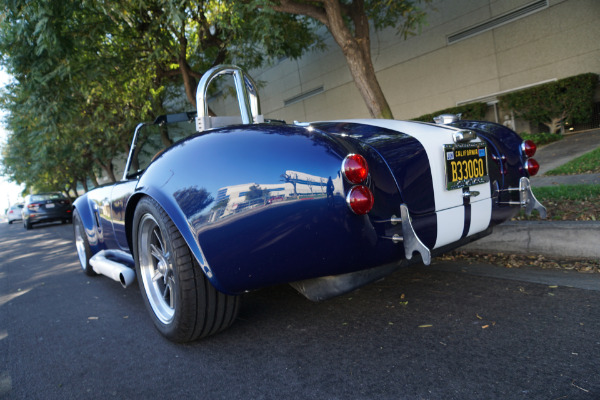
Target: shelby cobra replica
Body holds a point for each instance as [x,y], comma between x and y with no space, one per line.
[232,204]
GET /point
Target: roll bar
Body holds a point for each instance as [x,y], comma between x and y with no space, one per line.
[247,96]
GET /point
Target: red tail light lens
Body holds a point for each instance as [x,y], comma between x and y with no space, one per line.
[532,166]
[528,148]
[33,205]
[355,168]
[360,199]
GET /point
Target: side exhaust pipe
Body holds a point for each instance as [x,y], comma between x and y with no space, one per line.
[115,270]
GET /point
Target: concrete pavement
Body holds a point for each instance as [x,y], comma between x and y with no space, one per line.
[576,239]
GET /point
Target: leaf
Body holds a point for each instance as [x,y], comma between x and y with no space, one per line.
[425,326]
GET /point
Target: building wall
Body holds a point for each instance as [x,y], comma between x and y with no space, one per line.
[425,73]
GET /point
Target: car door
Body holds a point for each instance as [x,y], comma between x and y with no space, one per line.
[121,193]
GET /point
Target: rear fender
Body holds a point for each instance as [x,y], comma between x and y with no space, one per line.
[262,204]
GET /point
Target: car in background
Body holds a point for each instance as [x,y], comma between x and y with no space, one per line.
[14,213]
[46,207]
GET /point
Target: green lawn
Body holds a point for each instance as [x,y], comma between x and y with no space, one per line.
[568,202]
[567,192]
[586,164]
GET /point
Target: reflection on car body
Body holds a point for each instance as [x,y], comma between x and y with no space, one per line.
[209,211]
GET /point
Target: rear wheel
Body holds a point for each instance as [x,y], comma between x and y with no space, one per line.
[182,302]
[26,224]
[83,246]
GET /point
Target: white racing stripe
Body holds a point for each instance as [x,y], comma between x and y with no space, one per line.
[448,203]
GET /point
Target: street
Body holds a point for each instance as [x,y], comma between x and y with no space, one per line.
[422,333]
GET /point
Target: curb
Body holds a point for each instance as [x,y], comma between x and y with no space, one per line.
[572,239]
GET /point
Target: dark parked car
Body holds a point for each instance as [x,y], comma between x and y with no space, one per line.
[236,205]
[46,207]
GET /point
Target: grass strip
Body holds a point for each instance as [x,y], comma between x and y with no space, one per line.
[567,203]
[588,163]
[567,192]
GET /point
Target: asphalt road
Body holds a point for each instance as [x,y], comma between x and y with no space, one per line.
[422,333]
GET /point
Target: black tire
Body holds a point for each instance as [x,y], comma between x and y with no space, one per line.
[82,245]
[182,302]
[27,225]
[10,222]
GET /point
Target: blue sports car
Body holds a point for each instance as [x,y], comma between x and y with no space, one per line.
[212,207]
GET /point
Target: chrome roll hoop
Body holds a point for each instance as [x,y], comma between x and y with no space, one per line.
[246,92]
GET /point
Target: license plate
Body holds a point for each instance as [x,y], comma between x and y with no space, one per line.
[50,205]
[466,165]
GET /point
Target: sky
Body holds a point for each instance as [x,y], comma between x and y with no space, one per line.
[9,191]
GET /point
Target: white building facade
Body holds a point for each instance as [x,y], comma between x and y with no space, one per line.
[470,50]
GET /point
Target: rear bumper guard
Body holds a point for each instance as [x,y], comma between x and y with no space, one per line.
[527,199]
[409,238]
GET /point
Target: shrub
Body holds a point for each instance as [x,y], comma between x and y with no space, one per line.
[541,138]
[474,111]
[552,104]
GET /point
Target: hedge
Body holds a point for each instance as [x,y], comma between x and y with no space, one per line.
[552,104]
[472,111]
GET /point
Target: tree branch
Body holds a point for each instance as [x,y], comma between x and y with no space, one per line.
[309,10]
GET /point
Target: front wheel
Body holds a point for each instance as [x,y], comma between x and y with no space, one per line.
[82,245]
[182,302]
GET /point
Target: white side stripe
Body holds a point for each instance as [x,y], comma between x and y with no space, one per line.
[448,203]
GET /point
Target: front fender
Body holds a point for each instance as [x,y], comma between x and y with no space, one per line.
[86,211]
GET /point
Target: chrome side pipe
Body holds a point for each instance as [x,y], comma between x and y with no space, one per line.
[115,270]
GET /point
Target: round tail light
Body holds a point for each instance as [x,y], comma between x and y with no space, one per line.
[528,148]
[532,167]
[360,199]
[355,168]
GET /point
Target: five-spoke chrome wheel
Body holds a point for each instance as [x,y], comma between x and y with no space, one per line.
[182,302]
[156,269]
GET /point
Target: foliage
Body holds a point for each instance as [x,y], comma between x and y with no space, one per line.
[256,192]
[541,138]
[85,73]
[552,104]
[588,163]
[472,111]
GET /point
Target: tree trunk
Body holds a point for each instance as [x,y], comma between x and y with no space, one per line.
[94,179]
[361,68]
[108,168]
[356,48]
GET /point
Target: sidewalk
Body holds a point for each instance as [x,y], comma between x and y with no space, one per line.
[576,239]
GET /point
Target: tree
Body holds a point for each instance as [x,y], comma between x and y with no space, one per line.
[87,72]
[348,23]
[552,104]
